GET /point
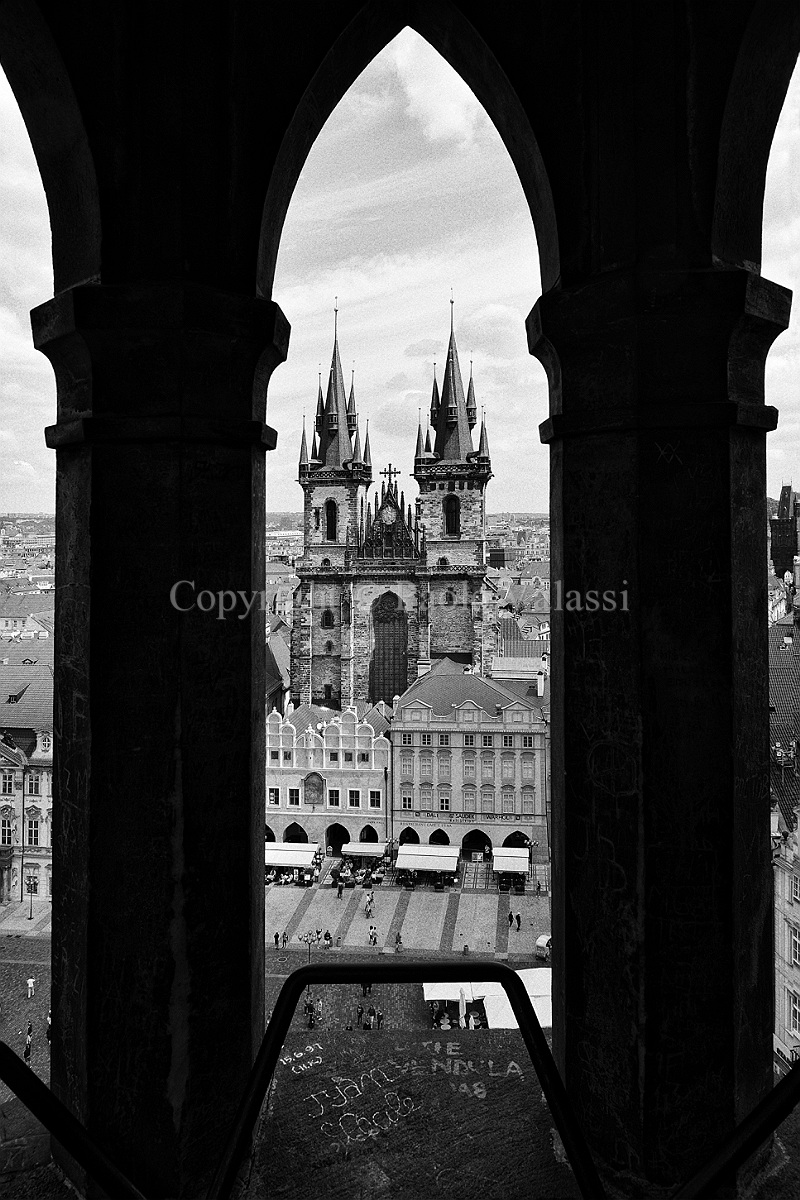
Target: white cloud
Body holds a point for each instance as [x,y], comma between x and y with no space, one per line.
[437,98]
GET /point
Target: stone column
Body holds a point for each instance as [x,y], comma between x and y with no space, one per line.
[158,977]
[663,960]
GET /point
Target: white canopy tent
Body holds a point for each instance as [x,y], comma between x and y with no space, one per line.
[287,855]
[511,858]
[499,1013]
[364,849]
[411,857]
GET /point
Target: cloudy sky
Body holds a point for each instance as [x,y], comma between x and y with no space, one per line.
[407,193]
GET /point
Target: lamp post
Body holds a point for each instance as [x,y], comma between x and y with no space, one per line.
[30,886]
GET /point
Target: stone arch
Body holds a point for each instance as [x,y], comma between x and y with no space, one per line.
[476,841]
[295,833]
[269,835]
[368,834]
[454,37]
[388,668]
[336,836]
[38,77]
[439,838]
[409,837]
[517,838]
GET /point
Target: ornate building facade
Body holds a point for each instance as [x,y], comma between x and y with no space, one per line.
[385,590]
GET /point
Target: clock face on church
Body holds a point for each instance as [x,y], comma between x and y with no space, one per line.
[388,511]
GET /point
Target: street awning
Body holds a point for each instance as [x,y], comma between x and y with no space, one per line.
[450,991]
[290,854]
[365,849]
[511,858]
[427,858]
[499,1013]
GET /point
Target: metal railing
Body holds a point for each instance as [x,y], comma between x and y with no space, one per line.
[71,1134]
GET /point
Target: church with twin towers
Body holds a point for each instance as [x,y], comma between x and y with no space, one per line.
[386,588]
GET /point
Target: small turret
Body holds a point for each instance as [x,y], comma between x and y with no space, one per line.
[352,419]
[483,448]
[419,453]
[435,402]
[358,461]
[304,465]
[320,417]
[472,408]
[367,457]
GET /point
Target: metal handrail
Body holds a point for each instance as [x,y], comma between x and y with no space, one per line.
[241,1135]
[64,1126]
[745,1138]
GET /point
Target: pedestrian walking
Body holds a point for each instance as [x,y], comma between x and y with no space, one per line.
[371,1014]
[319,936]
[538,887]
[510,919]
[319,1009]
[379,1018]
[369,989]
[277,940]
[285,938]
[339,891]
[26,1053]
[49,1030]
[31,988]
[519,922]
[359,1015]
[363,989]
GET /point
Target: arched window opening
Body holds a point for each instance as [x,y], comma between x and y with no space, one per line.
[327,619]
[330,520]
[452,516]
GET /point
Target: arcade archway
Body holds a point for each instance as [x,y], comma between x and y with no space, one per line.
[476,842]
[439,838]
[517,838]
[335,837]
[368,834]
[409,836]
[269,836]
[295,833]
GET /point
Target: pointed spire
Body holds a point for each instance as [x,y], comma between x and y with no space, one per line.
[304,448]
[320,417]
[419,452]
[358,461]
[367,454]
[314,451]
[453,440]
[428,442]
[352,418]
[472,408]
[483,449]
[335,447]
[434,399]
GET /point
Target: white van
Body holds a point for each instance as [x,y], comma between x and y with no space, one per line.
[544,946]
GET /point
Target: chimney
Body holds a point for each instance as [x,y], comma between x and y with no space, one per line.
[423,667]
[540,684]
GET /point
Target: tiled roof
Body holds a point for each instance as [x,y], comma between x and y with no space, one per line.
[784,683]
[785,789]
[446,685]
[13,605]
[28,675]
[525,688]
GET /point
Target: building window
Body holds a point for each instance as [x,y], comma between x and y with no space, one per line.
[426,797]
[795,880]
[527,804]
[5,831]
[469,800]
[334,756]
[508,741]
[294,796]
[487,802]
[469,766]
[273,795]
[7,787]
[363,756]
[34,784]
[527,741]
[487,768]
[444,766]
[508,767]
[444,804]
[330,520]
[426,739]
[426,766]
[327,619]
[333,797]
[794,945]
[508,802]
[45,741]
[407,739]
[452,522]
[329,647]
[406,764]
[406,800]
[348,756]
[488,740]
[274,756]
[444,739]
[374,799]
[793,1021]
[354,798]
[328,691]
[527,768]
[469,739]
[33,832]
[287,756]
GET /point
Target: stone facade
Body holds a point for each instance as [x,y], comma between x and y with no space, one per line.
[326,780]
[470,763]
[366,555]
[26,810]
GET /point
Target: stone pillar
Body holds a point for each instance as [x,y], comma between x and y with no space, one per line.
[158,977]
[662,988]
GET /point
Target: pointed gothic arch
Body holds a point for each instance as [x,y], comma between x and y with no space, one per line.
[331,520]
[388,669]
[456,39]
[517,838]
[295,833]
[409,837]
[451,509]
[439,838]
[368,834]
[336,836]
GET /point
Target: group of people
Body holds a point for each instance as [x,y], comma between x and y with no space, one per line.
[372,1018]
[278,939]
[26,1053]
[368,904]
[512,918]
[313,1011]
[373,935]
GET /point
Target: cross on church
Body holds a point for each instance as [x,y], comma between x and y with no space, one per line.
[390,471]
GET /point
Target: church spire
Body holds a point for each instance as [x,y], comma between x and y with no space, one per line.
[419,452]
[304,449]
[453,440]
[483,449]
[434,399]
[320,417]
[335,447]
[352,419]
[472,408]
[367,455]
[358,461]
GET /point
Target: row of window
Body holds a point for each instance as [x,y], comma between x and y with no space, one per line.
[6,838]
[334,756]
[334,797]
[33,781]
[470,801]
[487,740]
[468,765]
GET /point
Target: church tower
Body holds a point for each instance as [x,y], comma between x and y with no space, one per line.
[452,479]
